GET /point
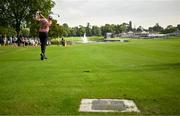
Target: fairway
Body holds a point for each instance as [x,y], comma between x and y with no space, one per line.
[146,71]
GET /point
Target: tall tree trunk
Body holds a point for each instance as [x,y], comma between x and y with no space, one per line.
[18,32]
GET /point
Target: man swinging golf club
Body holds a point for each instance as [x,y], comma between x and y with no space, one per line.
[43,32]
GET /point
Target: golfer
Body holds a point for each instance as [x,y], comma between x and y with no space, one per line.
[43,32]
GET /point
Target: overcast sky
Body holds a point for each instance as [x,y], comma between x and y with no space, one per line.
[99,12]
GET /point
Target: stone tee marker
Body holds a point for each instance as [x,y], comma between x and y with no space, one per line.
[108,105]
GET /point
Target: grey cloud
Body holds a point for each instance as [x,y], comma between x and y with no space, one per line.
[79,11]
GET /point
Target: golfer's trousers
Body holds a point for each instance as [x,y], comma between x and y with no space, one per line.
[43,39]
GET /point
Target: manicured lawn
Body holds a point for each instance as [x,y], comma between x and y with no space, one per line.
[93,38]
[146,71]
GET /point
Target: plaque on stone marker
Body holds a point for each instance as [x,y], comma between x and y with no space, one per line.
[108,105]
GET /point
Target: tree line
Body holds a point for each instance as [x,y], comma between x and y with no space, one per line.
[66,31]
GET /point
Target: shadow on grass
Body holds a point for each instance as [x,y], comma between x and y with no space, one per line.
[20,60]
[162,66]
[137,68]
[100,68]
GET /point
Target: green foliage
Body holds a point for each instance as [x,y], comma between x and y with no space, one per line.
[25,32]
[169,29]
[72,38]
[96,38]
[81,30]
[88,30]
[66,30]
[124,27]
[118,29]
[106,28]
[140,29]
[55,41]
[130,26]
[96,31]
[178,26]
[156,28]
[7,30]
[34,27]
[56,30]
[16,12]
[73,31]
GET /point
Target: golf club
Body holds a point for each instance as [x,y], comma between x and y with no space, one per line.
[55,14]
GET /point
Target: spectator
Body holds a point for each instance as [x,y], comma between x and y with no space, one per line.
[1,40]
[5,40]
[14,40]
[63,42]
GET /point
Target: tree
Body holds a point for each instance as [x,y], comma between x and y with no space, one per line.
[118,29]
[88,30]
[130,26]
[140,29]
[16,12]
[81,30]
[7,30]
[124,27]
[178,26]
[96,31]
[73,31]
[34,28]
[66,30]
[156,28]
[150,29]
[25,32]
[169,29]
[56,30]
[107,29]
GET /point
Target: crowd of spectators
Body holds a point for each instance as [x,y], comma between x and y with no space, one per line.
[28,41]
[20,41]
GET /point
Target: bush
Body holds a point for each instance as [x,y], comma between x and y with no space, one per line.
[55,41]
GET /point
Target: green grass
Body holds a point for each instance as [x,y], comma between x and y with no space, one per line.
[92,38]
[146,71]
